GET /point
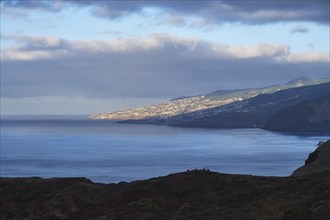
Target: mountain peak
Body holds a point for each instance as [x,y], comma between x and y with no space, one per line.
[299,80]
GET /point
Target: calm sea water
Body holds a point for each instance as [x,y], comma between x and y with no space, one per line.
[106,152]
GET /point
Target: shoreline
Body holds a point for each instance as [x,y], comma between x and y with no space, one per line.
[195,194]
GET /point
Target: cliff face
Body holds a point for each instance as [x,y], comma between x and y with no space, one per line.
[317,161]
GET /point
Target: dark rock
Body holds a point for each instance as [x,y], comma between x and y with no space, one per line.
[317,161]
[312,157]
[198,194]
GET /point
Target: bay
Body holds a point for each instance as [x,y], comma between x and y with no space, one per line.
[107,152]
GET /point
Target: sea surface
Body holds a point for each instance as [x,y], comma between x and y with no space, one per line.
[106,152]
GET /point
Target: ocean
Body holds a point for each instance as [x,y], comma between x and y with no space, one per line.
[107,152]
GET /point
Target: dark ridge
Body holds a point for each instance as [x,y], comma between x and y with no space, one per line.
[312,157]
[306,116]
[317,161]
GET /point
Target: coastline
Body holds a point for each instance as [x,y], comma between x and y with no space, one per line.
[195,194]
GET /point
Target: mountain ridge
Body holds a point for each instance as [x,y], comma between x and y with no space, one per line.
[306,116]
[183,105]
[257,111]
[252,112]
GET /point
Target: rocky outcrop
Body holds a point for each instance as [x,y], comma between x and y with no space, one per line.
[317,161]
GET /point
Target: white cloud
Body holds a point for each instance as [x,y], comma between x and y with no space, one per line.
[261,50]
[16,54]
[34,48]
[307,57]
[156,66]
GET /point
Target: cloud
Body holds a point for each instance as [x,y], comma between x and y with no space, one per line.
[308,57]
[202,24]
[175,20]
[299,29]
[155,66]
[36,47]
[256,12]
[185,21]
[35,42]
[32,4]
[32,47]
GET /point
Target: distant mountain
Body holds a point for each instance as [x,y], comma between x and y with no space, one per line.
[301,81]
[253,112]
[181,97]
[184,105]
[221,92]
[306,116]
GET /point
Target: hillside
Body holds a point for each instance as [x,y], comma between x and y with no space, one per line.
[253,112]
[184,105]
[317,161]
[306,116]
[196,194]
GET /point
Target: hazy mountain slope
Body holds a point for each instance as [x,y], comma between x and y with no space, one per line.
[252,112]
[182,105]
[306,116]
[167,109]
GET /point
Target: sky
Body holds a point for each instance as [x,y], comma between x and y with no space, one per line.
[66,57]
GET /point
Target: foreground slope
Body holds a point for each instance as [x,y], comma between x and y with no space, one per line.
[197,194]
[317,161]
[189,195]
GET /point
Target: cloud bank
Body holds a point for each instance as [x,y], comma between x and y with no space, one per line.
[156,66]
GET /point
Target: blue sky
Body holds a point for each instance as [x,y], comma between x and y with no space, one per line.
[106,55]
